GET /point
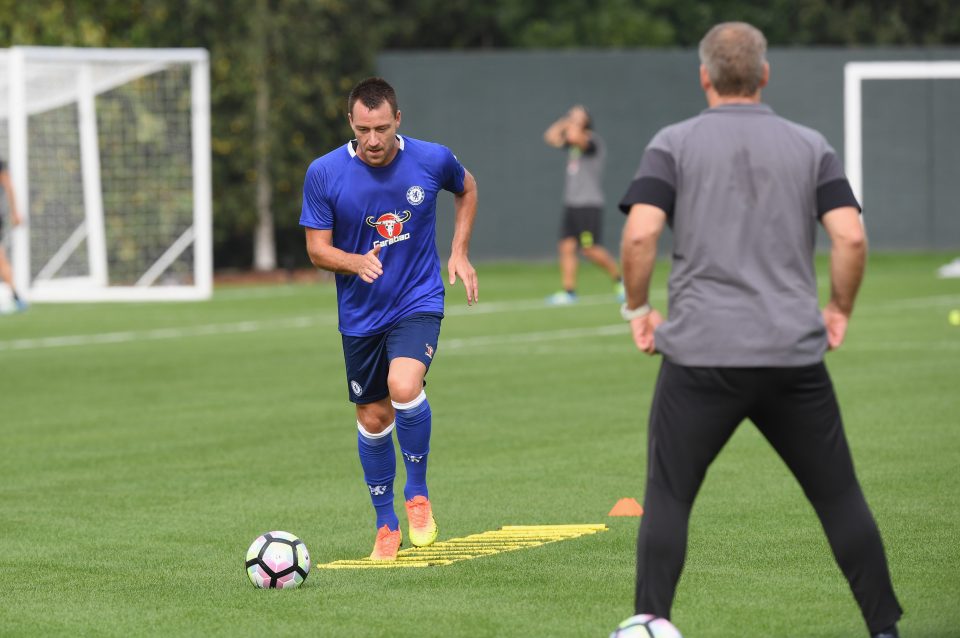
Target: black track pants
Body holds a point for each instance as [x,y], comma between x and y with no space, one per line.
[694,413]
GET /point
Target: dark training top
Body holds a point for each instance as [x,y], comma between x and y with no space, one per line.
[743,190]
[583,186]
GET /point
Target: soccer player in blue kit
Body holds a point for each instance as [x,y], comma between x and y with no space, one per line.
[369,210]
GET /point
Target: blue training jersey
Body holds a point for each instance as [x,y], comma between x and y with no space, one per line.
[393,206]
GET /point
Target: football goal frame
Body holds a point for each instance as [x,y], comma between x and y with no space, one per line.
[136,172]
[854,74]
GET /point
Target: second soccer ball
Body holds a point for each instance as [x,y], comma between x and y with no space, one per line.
[646,626]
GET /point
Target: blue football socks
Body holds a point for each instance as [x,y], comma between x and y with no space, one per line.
[379,462]
[413,433]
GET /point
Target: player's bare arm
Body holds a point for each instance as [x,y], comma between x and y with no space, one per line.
[555,133]
[577,131]
[571,129]
[465,208]
[638,252]
[324,255]
[579,137]
[848,258]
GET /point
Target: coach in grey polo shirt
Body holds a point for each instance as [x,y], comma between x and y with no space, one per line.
[743,191]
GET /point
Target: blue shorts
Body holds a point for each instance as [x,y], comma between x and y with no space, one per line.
[368,358]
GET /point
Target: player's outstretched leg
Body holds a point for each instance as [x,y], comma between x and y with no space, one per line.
[379,463]
[414,422]
[602,258]
[567,251]
[6,275]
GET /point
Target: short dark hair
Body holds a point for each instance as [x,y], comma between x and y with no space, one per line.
[734,54]
[372,92]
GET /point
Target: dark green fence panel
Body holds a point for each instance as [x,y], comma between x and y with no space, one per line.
[491,109]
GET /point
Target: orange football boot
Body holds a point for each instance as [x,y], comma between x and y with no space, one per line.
[387,545]
[423,528]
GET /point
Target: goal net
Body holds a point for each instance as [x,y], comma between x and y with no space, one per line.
[109,155]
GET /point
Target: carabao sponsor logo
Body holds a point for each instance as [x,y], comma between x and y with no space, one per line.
[389,225]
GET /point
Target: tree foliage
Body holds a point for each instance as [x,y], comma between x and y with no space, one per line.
[313,51]
[439,24]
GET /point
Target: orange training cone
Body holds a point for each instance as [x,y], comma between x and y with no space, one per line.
[627,507]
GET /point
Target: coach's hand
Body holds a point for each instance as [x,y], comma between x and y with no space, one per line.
[642,328]
[460,266]
[836,322]
[368,266]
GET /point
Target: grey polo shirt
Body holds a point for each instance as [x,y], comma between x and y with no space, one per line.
[583,186]
[743,190]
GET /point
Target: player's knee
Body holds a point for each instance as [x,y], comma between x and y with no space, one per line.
[374,417]
[594,253]
[405,390]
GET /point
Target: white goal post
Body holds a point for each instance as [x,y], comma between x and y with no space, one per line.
[109,155]
[854,73]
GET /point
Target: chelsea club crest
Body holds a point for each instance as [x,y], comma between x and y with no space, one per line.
[415,195]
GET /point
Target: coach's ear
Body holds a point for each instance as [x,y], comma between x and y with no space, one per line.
[766,75]
[705,82]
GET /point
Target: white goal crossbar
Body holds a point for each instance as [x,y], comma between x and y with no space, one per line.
[854,73]
[77,129]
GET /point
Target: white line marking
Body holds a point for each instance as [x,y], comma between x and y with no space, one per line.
[620,329]
[129,336]
[906,346]
[530,304]
[165,333]
[934,301]
[526,305]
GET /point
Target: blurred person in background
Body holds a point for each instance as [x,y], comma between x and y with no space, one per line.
[582,224]
[6,270]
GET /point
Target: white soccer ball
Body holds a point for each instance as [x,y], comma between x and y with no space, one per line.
[646,626]
[277,560]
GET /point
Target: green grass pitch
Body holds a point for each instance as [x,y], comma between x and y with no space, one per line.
[145,446]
